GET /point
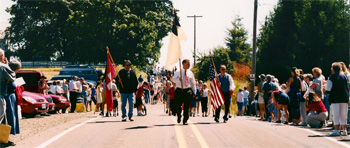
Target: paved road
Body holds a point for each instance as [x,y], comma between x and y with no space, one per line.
[160,130]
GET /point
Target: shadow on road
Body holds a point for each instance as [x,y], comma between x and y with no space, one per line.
[167,125]
[102,122]
[137,127]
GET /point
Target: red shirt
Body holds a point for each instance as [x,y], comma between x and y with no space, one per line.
[139,92]
[171,93]
[318,107]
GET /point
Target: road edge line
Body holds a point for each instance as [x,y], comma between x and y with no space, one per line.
[329,138]
[53,139]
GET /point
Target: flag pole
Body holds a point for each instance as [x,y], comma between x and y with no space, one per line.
[182,87]
[114,65]
[214,65]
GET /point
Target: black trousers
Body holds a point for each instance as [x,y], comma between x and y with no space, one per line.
[183,97]
[73,100]
[204,102]
[227,98]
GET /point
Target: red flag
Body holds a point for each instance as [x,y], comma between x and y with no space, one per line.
[110,73]
[216,94]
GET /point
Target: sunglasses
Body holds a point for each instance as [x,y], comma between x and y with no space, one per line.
[223,69]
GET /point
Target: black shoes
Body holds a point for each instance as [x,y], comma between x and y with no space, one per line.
[216,120]
[131,119]
[184,122]
[124,119]
[178,119]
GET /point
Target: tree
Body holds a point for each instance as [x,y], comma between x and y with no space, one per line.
[304,34]
[220,57]
[81,30]
[236,42]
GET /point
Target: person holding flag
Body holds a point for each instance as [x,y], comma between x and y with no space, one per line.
[127,77]
[227,87]
[187,90]
[109,76]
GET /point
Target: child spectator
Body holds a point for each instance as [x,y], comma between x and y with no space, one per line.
[139,95]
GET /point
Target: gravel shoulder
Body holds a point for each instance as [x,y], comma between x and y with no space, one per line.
[32,126]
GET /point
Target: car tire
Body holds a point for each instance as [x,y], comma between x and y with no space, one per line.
[29,115]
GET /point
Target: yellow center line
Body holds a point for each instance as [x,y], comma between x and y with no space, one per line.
[179,134]
[198,135]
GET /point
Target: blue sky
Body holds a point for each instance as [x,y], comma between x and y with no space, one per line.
[211,28]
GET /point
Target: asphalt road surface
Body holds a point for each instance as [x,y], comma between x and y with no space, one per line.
[160,130]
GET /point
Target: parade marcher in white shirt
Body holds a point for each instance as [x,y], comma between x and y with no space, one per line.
[187,93]
[227,87]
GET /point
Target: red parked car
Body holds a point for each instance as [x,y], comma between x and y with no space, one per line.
[60,102]
[32,77]
[33,104]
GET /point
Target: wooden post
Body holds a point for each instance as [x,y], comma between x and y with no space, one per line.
[114,65]
[182,87]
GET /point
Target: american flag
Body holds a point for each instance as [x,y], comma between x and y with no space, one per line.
[216,94]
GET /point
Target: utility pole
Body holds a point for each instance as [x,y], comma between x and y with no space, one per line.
[252,75]
[194,50]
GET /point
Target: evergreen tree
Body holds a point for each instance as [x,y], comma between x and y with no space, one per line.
[236,42]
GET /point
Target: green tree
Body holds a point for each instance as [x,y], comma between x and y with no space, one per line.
[304,34]
[81,30]
[236,41]
[220,57]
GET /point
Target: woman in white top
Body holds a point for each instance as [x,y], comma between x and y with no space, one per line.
[99,88]
[240,101]
[53,88]
[204,100]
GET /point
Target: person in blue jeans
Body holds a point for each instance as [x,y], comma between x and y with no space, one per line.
[128,80]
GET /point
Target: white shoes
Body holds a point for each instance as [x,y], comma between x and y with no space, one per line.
[344,133]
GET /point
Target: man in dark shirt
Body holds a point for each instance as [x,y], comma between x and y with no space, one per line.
[128,80]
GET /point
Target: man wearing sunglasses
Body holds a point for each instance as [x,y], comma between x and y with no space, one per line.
[227,87]
[129,81]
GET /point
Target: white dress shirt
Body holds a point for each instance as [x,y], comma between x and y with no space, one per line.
[190,77]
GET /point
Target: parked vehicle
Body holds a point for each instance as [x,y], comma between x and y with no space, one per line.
[60,78]
[33,104]
[60,103]
[86,72]
[31,77]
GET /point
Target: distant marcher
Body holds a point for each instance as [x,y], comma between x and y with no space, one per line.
[172,99]
[139,95]
[140,79]
[227,87]
[199,98]
[204,100]
[129,80]
[115,98]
